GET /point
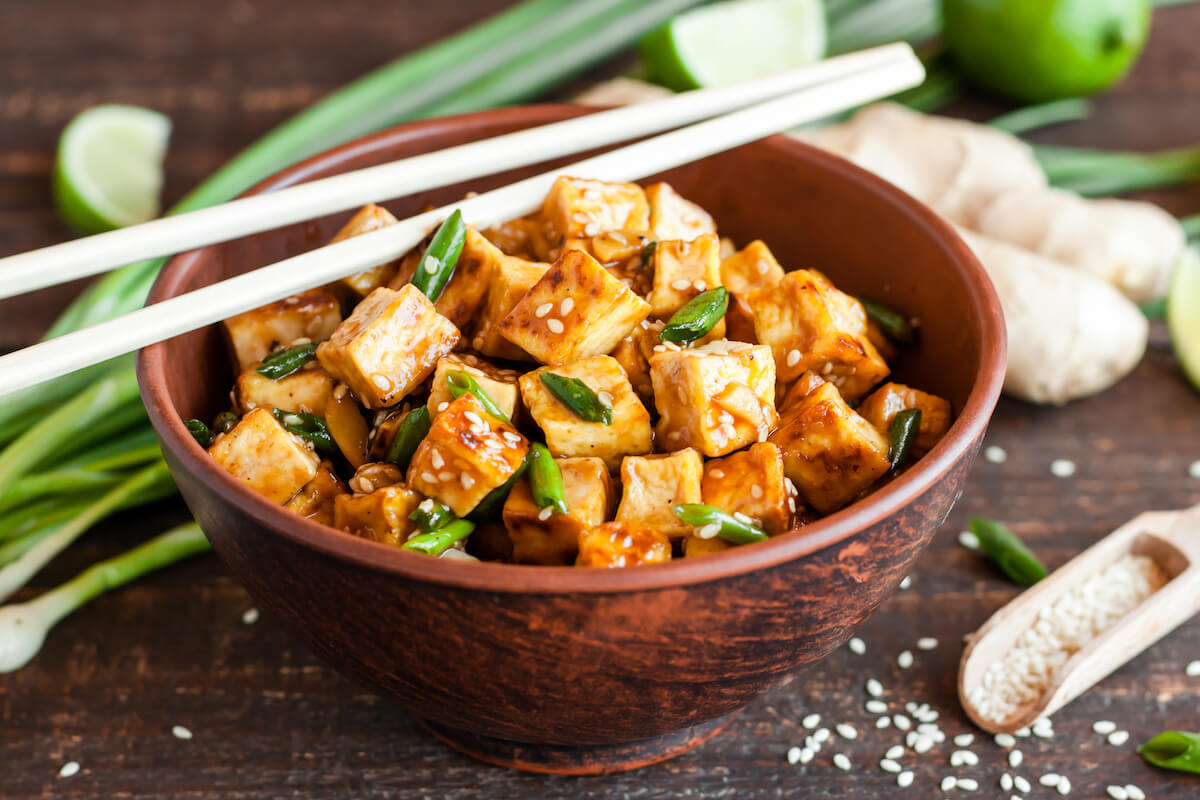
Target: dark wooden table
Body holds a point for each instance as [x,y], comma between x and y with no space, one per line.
[270,721]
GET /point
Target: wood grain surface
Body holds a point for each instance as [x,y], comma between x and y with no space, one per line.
[269,721]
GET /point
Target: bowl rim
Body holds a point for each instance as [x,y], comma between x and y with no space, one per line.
[966,430]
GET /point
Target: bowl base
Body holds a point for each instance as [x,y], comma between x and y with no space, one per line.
[582,760]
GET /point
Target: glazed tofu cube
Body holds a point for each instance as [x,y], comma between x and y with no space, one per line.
[464,293]
[892,398]
[695,546]
[622,544]
[388,346]
[510,279]
[634,353]
[800,390]
[466,454]
[577,207]
[752,483]
[716,398]
[313,315]
[568,435]
[651,485]
[543,536]
[830,452]
[749,269]
[683,270]
[673,217]
[811,325]
[576,310]
[316,500]
[500,384]
[260,453]
[368,218]
[381,515]
[518,237]
[307,390]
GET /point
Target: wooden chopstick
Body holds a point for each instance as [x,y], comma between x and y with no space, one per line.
[92,255]
[258,287]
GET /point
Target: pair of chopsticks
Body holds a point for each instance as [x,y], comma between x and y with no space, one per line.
[763,106]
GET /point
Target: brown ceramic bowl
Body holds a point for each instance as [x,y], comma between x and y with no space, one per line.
[569,670]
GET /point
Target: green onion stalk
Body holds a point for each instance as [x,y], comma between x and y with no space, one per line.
[95,415]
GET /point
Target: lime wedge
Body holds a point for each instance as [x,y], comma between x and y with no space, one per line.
[734,41]
[108,173]
[1183,314]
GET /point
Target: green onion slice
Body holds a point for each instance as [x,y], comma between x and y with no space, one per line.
[730,528]
[461,382]
[1008,552]
[437,264]
[199,432]
[1177,750]
[413,428]
[577,396]
[697,317]
[287,361]
[439,541]
[308,426]
[546,480]
[897,326]
[902,432]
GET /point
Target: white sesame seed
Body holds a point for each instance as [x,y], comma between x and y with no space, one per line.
[442,406]
[1194,471]
[905,659]
[904,779]
[842,762]
[1021,733]
[902,722]
[995,454]
[699,286]
[822,735]
[806,755]
[883,722]
[1062,468]
[605,398]
[949,783]
[708,531]
[430,264]
[793,755]
[874,688]
[429,477]
[969,540]
[445,475]
[1134,792]
[923,744]
[473,418]
[566,305]
[968,784]
[466,480]
[545,513]
[907,582]
[1050,779]
[382,382]
[927,643]
[679,284]
[889,765]
[1117,792]
[965,757]
[1006,782]
[543,310]
[555,325]
[717,473]
[1192,670]
[68,769]
[1064,786]
[426,505]
[763,266]
[1015,758]
[1022,785]
[250,616]
[1118,738]
[756,492]
[856,645]
[793,358]
[964,739]
[591,229]
[738,515]
[436,459]
[811,721]
[846,731]
[876,707]
[180,732]
[1004,740]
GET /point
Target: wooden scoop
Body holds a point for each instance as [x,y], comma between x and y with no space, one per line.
[1170,538]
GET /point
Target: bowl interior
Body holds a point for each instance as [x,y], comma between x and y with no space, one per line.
[812,209]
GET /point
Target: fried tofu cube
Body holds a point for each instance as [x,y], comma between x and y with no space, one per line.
[673,217]
[652,485]
[500,384]
[577,309]
[717,398]
[830,452]
[260,453]
[622,544]
[518,237]
[316,500]
[683,270]
[510,279]
[888,400]
[466,455]
[368,218]
[578,207]
[380,515]
[255,334]
[695,546]
[467,287]
[622,254]
[307,390]
[389,345]
[752,483]
[568,435]
[543,536]
[800,390]
[749,269]
[633,353]
[811,325]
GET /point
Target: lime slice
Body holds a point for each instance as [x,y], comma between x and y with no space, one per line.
[108,173]
[730,42]
[1183,314]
